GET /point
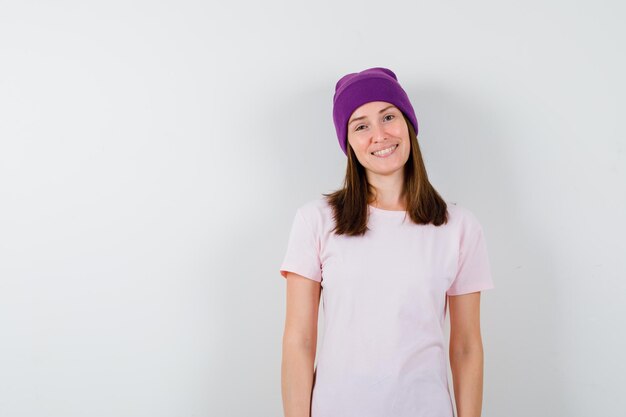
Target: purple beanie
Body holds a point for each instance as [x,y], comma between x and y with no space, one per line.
[373,84]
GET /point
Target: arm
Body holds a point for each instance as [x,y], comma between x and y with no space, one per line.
[466,353]
[299,344]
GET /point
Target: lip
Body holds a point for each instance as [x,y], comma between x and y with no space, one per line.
[387,155]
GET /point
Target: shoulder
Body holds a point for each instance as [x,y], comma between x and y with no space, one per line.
[462,217]
[316,212]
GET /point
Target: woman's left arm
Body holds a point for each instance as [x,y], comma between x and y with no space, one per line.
[466,353]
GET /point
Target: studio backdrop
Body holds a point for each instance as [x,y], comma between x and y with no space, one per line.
[153,154]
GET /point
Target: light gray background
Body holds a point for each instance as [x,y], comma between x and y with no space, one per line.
[153,154]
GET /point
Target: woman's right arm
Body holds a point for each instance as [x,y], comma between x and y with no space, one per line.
[299,344]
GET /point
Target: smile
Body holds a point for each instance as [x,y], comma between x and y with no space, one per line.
[385,152]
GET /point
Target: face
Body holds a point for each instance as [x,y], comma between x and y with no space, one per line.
[379,126]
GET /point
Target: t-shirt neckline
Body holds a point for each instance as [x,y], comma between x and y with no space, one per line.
[387,212]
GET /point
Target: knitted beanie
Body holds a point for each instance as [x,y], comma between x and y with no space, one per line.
[373,84]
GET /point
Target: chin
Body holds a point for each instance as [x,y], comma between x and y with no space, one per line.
[386,171]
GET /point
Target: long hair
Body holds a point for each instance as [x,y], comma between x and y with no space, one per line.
[349,203]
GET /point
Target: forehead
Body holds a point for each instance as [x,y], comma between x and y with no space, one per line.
[372,108]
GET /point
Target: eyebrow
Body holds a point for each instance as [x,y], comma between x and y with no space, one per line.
[363,117]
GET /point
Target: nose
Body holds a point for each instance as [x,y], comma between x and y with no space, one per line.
[378,132]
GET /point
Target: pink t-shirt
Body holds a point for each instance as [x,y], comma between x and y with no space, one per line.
[383,351]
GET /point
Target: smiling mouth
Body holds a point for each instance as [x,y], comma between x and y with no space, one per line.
[385,152]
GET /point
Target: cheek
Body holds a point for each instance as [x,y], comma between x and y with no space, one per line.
[399,130]
[359,142]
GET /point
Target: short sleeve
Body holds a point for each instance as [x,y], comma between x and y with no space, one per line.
[303,248]
[473,272]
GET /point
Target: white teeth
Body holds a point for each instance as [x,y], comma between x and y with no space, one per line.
[385,151]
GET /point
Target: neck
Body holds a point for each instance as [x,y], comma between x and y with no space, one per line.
[387,191]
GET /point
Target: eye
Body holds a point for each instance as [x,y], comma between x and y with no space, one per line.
[392,117]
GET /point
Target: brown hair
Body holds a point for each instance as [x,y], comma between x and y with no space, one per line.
[424,205]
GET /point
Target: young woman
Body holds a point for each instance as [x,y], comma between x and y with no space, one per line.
[387,255]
